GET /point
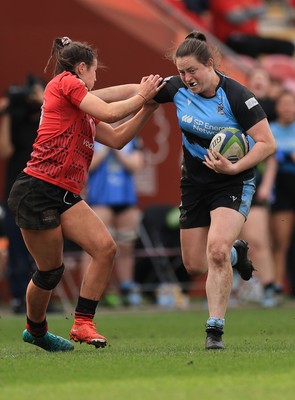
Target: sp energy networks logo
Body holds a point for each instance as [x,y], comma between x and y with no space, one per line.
[187,118]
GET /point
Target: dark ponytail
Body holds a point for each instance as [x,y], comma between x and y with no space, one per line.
[68,54]
[197,35]
[195,44]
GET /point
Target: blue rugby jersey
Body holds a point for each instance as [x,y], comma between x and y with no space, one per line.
[200,118]
[111,183]
[285,139]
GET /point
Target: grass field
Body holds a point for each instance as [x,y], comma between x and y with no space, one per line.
[156,355]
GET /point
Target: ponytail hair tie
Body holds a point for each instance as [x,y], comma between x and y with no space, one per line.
[65,41]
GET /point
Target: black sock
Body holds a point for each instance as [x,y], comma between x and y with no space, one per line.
[85,307]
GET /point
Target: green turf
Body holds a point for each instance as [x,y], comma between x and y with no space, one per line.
[156,355]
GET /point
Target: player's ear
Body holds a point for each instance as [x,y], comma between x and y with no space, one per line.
[210,62]
[80,68]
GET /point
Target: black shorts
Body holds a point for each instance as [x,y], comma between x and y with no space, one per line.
[284,197]
[37,204]
[198,201]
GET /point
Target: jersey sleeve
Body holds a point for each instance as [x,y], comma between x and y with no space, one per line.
[166,95]
[73,88]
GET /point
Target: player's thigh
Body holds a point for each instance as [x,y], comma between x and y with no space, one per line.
[193,249]
[105,213]
[45,246]
[81,225]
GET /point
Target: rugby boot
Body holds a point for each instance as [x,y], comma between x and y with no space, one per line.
[244,266]
[213,339]
[84,331]
[48,342]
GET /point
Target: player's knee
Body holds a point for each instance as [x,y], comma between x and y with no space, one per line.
[126,235]
[106,249]
[111,249]
[194,267]
[218,256]
[48,280]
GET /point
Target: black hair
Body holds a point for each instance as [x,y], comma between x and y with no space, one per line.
[195,44]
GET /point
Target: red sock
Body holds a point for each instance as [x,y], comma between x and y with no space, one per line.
[37,329]
[84,317]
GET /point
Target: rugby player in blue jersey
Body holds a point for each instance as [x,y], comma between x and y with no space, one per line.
[215,194]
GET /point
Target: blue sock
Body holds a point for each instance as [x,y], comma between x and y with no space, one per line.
[214,322]
[233,256]
[236,281]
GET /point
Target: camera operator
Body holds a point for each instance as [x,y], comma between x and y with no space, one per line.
[20,114]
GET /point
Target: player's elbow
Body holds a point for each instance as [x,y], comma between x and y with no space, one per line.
[111,117]
[112,114]
[118,145]
[272,147]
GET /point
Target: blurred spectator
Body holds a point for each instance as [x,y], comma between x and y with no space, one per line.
[283,208]
[236,23]
[256,230]
[197,6]
[199,10]
[18,129]
[20,111]
[277,85]
[111,192]
[261,84]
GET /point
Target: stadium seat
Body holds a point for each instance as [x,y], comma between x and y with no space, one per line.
[279,66]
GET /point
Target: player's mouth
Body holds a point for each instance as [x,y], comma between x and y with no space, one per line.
[192,84]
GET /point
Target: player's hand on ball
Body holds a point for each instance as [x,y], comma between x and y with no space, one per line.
[219,164]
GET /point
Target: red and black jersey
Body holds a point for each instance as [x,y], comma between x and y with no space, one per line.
[63,149]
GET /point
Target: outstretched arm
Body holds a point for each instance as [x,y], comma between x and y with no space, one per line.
[116,93]
[119,136]
[112,112]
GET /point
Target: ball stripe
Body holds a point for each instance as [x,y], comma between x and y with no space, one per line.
[231,143]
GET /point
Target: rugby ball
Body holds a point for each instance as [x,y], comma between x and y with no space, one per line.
[230,143]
